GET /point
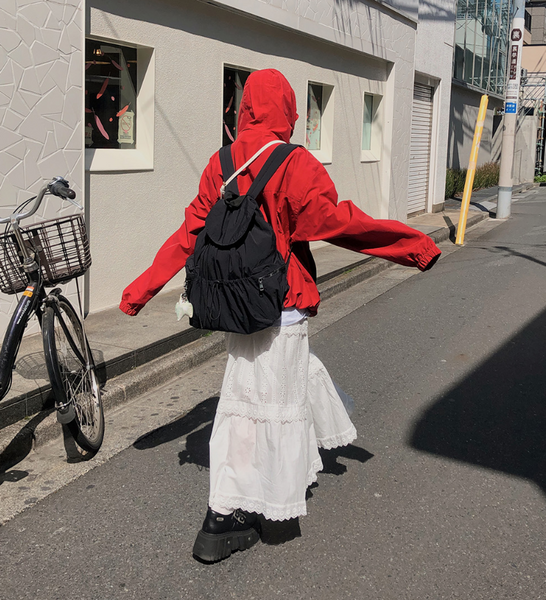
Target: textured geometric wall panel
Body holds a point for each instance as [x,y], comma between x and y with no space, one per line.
[41,104]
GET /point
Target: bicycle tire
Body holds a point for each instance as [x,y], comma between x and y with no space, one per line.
[73,378]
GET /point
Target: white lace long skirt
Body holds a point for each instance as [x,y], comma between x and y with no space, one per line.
[278,405]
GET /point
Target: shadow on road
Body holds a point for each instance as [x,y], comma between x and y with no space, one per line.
[197,426]
[513,252]
[333,467]
[496,417]
[198,416]
[19,448]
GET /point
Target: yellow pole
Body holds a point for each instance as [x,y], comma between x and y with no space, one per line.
[471,170]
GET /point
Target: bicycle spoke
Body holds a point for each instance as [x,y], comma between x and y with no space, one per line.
[79,380]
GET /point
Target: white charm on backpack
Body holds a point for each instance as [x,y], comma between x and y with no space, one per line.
[183,307]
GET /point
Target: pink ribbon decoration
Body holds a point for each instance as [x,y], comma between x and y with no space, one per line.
[101,128]
[228,132]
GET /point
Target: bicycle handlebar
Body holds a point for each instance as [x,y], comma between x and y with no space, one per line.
[57,186]
[60,188]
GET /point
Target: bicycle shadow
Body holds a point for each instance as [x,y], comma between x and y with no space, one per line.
[32,366]
[19,448]
[196,426]
[23,443]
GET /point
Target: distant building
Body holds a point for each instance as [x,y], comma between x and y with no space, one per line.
[479,67]
[534,64]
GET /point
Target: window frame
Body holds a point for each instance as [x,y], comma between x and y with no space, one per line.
[324,154]
[140,158]
[373,154]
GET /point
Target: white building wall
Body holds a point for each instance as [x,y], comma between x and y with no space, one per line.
[434,62]
[132,213]
[465,104]
[41,105]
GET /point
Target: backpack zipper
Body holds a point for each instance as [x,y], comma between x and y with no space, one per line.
[261,287]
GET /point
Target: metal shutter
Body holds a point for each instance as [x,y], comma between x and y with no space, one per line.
[421,131]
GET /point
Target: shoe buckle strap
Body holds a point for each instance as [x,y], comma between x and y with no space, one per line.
[239,516]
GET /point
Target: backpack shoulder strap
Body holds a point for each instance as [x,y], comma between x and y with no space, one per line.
[275,160]
[226,161]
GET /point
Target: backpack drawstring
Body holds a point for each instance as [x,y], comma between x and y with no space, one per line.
[215,296]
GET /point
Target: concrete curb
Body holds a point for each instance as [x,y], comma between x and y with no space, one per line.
[18,439]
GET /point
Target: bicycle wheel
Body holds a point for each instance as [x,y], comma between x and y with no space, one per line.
[72,372]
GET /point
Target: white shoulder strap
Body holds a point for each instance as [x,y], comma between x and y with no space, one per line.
[249,161]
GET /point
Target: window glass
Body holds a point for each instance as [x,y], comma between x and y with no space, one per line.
[314,116]
[234,82]
[110,95]
[481,41]
[367,122]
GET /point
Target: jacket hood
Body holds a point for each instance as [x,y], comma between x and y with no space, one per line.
[268,104]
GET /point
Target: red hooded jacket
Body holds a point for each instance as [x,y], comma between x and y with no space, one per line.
[300,202]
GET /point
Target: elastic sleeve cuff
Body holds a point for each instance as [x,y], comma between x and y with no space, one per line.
[129,309]
[428,259]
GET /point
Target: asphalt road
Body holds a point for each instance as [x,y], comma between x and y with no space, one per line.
[441,496]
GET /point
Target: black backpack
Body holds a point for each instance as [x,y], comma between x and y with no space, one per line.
[236,277]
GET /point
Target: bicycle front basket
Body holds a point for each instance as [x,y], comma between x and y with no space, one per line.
[61,247]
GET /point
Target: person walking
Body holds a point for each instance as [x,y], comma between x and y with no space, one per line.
[278,404]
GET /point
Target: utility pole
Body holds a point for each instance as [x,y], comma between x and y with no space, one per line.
[504,201]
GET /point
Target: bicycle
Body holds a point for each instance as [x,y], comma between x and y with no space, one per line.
[44,255]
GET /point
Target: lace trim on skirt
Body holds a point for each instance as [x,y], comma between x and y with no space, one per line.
[262,412]
[340,439]
[272,512]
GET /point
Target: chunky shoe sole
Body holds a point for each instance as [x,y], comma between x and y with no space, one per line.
[211,547]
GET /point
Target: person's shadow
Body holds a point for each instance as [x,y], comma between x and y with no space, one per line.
[197,427]
[190,424]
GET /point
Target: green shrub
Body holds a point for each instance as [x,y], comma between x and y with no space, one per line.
[450,183]
[486,175]
[540,179]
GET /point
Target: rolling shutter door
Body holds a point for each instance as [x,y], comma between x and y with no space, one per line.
[421,131]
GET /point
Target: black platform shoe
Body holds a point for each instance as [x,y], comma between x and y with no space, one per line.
[223,534]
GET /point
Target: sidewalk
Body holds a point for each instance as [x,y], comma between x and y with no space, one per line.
[134,355]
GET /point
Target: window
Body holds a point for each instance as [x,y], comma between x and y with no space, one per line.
[528,20]
[320,121]
[234,82]
[367,122]
[481,41]
[118,106]
[371,134]
[314,116]
[110,95]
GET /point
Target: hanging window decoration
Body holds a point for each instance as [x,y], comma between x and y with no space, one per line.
[314,116]
[234,82]
[110,95]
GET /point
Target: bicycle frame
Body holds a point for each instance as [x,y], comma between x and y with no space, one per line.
[30,300]
[51,300]
[67,353]
[33,297]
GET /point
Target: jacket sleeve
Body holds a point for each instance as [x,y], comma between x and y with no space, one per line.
[320,217]
[172,256]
